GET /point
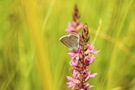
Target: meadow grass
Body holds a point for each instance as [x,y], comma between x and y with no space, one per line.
[32,57]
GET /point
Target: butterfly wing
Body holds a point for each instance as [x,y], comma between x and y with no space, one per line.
[65,40]
[71,40]
[74,40]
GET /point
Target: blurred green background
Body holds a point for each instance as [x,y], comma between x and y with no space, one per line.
[32,57]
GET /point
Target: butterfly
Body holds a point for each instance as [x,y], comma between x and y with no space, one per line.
[71,41]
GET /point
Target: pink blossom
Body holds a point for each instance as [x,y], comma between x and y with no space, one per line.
[72,81]
[90,86]
[89,75]
[74,55]
[75,73]
[89,59]
[87,87]
[74,62]
[74,27]
[74,58]
[91,49]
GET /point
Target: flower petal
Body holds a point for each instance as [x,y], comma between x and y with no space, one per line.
[69,78]
[93,75]
[70,84]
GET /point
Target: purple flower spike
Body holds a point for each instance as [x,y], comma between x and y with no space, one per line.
[81,58]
